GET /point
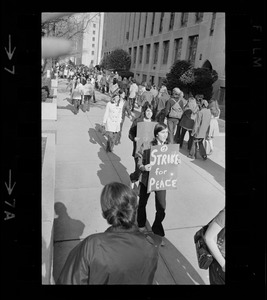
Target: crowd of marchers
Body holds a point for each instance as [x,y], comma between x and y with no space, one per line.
[174,115]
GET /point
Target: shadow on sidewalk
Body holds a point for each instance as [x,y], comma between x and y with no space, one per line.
[177,266]
[66,228]
[104,174]
[217,171]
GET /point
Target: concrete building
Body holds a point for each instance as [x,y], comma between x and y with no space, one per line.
[156,39]
[88,43]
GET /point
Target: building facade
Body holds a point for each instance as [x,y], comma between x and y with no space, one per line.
[88,43]
[155,40]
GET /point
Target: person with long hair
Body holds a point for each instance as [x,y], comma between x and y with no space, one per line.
[160,138]
[215,240]
[112,120]
[214,125]
[121,254]
[145,116]
[77,95]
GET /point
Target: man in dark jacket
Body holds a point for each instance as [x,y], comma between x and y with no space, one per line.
[121,254]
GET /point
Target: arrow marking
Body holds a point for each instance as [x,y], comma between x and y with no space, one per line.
[9,188]
[9,52]
[12,72]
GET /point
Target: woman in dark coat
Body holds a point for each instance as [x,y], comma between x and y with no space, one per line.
[121,254]
[146,116]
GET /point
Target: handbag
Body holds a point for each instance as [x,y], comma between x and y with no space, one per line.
[204,256]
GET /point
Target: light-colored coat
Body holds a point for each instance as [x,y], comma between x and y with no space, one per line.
[202,123]
[113,116]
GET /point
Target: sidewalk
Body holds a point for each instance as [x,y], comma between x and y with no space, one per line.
[82,169]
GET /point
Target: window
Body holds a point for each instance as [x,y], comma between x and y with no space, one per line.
[93,52]
[139,26]
[127,35]
[93,39]
[192,49]
[134,58]
[133,26]
[152,78]
[177,49]
[93,45]
[160,81]
[152,24]
[144,78]
[156,52]
[165,52]
[94,25]
[199,16]
[212,23]
[172,16]
[140,54]
[145,26]
[147,53]
[93,31]
[130,51]
[184,19]
[161,22]
[92,62]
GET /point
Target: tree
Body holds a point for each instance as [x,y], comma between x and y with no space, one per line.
[179,68]
[189,79]
[118,59]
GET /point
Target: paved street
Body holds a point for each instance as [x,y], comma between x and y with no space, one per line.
[83,167]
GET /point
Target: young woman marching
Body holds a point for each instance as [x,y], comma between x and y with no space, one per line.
[160,138]
[112,120]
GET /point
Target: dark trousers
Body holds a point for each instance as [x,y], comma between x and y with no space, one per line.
[178,133]
[202,150]
[136,174]
[112,136]
[131,103]
[216,274]
[181,140]
[77,103]
[160,202]
[172,124]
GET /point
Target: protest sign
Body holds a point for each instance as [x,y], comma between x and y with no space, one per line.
[145,133]
[164,160]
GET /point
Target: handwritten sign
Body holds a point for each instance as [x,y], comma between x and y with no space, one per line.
[163,160]
[145,133]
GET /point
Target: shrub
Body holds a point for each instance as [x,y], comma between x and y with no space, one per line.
[124,73]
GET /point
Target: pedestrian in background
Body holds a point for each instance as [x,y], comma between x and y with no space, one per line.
[160,103]
[121,254]
[188,120]
[112,120]
[214,126]
[126,110]
[146,96]
[77,95]
[173,112]
[88,93]
[215,240]
[133,94]
[200,130]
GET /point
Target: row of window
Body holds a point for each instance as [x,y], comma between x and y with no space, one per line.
[184,19]
[177,49]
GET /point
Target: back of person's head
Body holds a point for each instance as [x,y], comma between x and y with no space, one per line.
[119,204]
[148,87]
[115,80]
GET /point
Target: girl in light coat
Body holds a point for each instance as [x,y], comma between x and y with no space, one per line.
[112,120]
